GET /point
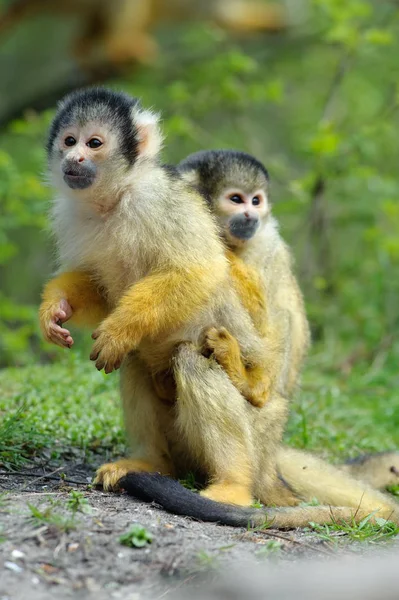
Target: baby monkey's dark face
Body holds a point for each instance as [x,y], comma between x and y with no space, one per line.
[240,213]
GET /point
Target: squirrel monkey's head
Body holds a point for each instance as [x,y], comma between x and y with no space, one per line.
[235,186]
[97,136]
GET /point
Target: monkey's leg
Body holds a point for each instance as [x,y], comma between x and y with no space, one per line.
[310,477]
[251,381]
[70,296]
[144,419]
[212,417]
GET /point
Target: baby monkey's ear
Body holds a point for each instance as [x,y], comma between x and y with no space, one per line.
[148,132]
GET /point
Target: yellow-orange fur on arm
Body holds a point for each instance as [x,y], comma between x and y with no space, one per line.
[252,381]
[81,292]
[246,281]
[71,295]
[157,304]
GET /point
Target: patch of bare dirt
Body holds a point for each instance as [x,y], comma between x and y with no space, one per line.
[43,559]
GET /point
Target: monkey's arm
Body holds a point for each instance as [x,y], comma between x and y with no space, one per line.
[71,295]
[247,283]
[157,304]
[253,378]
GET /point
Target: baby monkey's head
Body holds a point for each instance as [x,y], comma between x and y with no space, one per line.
[97,136]
[235,186]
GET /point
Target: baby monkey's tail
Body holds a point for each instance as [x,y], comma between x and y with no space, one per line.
[176,499]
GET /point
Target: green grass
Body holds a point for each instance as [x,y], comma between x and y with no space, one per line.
[137,537]
[365,531]
[342,415]
[69,408]
[58,514]
[58,410]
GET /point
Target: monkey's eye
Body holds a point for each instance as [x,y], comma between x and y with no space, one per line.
[256,201]
[69,141]
[94,143]
[236,198]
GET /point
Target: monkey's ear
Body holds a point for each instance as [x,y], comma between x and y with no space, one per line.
[149,133]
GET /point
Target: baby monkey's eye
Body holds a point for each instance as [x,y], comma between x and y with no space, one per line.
[94,143]
[69,141]
[236,198]
[256,201]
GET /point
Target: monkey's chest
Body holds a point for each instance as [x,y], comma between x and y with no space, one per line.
[116,274]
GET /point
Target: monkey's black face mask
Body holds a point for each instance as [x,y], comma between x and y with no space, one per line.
[242,227]
[79,176]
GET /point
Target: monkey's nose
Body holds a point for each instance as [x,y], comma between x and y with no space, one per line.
[246,214]
[81,159]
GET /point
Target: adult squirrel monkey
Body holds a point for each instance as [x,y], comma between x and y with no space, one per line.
[134,233]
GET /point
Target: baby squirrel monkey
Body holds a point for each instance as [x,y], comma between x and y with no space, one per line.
[236,187]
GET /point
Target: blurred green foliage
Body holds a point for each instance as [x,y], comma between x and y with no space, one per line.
[318,106]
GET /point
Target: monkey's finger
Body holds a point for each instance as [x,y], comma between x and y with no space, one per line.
[69,341]
[94,354]
[60,315]
[95,334]
[100,364]
[66,308]
[58,330]
[109,367]
[59,340]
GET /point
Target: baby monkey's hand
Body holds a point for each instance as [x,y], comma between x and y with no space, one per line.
[52,316]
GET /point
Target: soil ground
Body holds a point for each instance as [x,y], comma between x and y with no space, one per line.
[41,558]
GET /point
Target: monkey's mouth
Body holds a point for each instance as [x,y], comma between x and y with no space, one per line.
[244,230]
[78,181]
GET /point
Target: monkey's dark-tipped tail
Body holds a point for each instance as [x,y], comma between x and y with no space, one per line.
[176,499]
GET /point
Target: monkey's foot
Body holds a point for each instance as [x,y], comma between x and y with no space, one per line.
[252,383]
[261,395]
[228,493]
[223,346]
[109,474]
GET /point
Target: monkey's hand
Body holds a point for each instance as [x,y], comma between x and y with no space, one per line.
[51,317]
[112,344]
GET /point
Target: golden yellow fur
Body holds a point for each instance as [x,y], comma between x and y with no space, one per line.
[88,305]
